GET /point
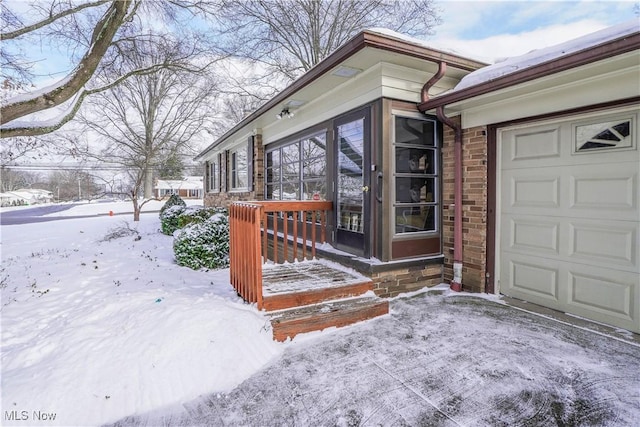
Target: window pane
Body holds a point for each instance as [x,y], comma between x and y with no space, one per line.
[314,146]
[613,134]
[415,190]
[414,219]
[291,153]
[315,168]
[415,132]
[415,160]
[273,158]
[350,176]
[313,188]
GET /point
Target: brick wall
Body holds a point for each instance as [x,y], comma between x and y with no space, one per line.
[474,206]
[394,282]
[224,199]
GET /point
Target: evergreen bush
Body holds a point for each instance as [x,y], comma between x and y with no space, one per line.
[170,219]
[174,200]
[204,244]
[197,214]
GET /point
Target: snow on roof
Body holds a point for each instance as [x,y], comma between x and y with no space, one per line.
[429,45]
[550,53]
[189,183]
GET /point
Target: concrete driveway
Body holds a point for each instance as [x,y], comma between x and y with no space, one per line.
[438,359]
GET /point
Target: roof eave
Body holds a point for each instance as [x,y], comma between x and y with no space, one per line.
[591,54]
[360,41]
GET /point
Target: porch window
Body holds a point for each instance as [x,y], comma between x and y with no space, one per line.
[415,208]
[239,169]
[297,170]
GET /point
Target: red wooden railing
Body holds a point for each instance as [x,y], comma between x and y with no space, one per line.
[257,229]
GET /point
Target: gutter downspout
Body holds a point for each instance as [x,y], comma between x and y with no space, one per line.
[456,283]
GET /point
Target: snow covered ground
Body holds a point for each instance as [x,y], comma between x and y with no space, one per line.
[94,329]
[110,330]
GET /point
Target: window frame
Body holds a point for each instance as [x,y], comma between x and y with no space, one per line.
[620,118]
[299,163]
[214,175]
[234,169]
[435,177]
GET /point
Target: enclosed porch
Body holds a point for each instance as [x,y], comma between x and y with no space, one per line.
[274,264]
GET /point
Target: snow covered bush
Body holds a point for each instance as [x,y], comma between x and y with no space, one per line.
[197,214]
[169,219]
[174,200]
[204,244]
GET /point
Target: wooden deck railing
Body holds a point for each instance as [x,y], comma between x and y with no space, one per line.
[257,230]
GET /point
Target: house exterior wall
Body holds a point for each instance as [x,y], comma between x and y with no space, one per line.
[225,198]
[474,206]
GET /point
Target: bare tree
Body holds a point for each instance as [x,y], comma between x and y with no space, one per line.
[294,35]
[148,118]
[103,31]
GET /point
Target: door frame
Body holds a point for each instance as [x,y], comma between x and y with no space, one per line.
[347,241]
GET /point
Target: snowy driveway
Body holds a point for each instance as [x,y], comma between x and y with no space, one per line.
[439,359]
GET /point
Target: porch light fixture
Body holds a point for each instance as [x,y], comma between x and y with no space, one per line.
[285,113]
[344,71]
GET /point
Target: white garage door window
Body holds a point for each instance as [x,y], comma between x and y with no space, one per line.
[569,221]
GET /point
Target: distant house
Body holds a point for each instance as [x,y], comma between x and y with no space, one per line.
[191,187]
[519,178]
[25,196]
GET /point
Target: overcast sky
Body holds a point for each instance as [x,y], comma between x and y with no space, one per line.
[496,29]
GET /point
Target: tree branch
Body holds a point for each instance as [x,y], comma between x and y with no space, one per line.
[108,26]
[25,130]
[52,18]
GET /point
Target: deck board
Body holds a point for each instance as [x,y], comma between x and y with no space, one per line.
[306,276]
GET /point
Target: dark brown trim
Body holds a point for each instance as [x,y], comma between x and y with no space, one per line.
[362,40]
[414,248]
[492,161]
[592,54]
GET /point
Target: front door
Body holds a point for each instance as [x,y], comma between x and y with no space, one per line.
[352,220]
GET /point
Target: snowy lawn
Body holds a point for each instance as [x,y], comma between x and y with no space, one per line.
[96,329]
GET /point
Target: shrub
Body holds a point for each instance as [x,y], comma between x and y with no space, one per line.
[194,214]
[204,244]
[174,200]
[169,219]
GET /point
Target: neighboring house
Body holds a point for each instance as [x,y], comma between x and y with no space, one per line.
[191,187]
[25,196]
[520,178]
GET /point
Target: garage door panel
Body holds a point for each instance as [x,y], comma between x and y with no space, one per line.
[531,279]
[535,145]
[530,234]
[534,191]
[604,190]
[604,244]
[610,296]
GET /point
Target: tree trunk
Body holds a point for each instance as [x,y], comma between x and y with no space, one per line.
[148,183]
[136,207]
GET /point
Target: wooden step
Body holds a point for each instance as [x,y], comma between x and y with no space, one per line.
[338,313]
[314,296]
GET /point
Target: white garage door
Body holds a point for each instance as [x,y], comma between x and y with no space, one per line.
[569,217]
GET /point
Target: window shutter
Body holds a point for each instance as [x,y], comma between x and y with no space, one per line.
[224,182]
[207,173]
[250,185]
